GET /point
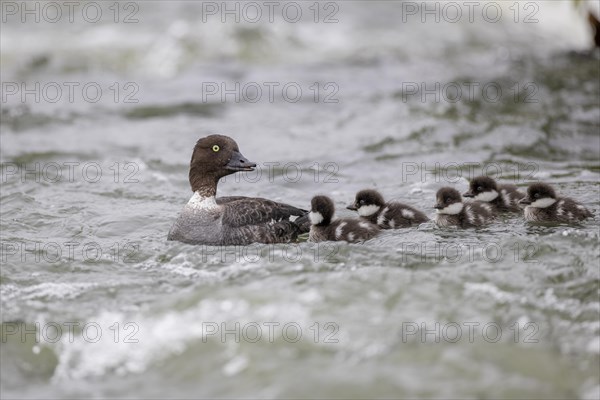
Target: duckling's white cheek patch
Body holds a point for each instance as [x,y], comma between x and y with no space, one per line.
[543,203]
[366,211]
[315,217]
[452,209]
[487,196]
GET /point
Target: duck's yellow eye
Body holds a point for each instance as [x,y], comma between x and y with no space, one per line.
[216,148]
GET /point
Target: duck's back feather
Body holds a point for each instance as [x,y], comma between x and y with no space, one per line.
[246,211]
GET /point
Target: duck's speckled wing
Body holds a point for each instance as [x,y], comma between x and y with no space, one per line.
[229,199]
[254,220]
[256,211]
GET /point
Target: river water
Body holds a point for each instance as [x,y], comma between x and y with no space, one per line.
[103,103]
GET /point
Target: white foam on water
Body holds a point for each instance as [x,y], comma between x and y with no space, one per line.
[155,338]
[46,290]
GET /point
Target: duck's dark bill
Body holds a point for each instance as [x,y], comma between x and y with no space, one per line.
[240,163]
[233,168]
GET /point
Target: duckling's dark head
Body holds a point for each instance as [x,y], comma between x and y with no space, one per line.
[367,202]
[482,188]
[448,201]
[539,195]
[321,210]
